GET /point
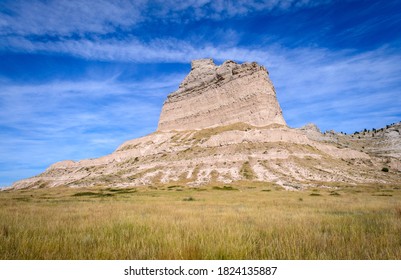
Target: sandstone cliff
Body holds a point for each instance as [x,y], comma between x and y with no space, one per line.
[220,95]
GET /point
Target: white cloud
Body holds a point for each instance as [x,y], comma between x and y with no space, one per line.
[44,123]
[315,81]
[67,107]
[67,17]
[340,90]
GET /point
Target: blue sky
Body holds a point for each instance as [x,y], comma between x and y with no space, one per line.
[78,78]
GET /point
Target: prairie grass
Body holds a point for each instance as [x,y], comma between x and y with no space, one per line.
[206,223]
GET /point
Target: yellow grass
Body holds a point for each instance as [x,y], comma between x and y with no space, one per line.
[236,222]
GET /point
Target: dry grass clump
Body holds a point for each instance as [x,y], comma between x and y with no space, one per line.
[246,171]
[148,223]
[208,132]
[398,211]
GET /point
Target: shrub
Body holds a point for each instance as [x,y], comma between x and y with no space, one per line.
[398,211]
[385,169]
[246,171]
[225,188]
[315,194]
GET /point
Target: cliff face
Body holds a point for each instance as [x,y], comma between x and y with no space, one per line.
[221,95]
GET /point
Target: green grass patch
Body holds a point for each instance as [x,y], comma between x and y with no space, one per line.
[333,193]
[382,194]
[121,190]
[225,188]
[92,194]
[315,194]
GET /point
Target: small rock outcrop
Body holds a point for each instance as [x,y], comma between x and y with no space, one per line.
[221,95]
[311,127]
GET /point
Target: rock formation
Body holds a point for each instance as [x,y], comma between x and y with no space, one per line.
[224,126]
[383,143]
[220,95]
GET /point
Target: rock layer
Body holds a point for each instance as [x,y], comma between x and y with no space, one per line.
[221,95]
[384,143]
[274,155]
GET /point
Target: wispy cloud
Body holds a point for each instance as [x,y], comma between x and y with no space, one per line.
[44,123]
[311,82]
[66,17]
[44,109]
[340,90]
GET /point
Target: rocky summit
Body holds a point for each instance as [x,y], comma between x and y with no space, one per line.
[213,96]
[224,126]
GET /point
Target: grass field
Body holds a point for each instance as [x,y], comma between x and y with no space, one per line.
[232,222]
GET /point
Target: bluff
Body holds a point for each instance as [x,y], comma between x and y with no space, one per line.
[224,126]
[221,95]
